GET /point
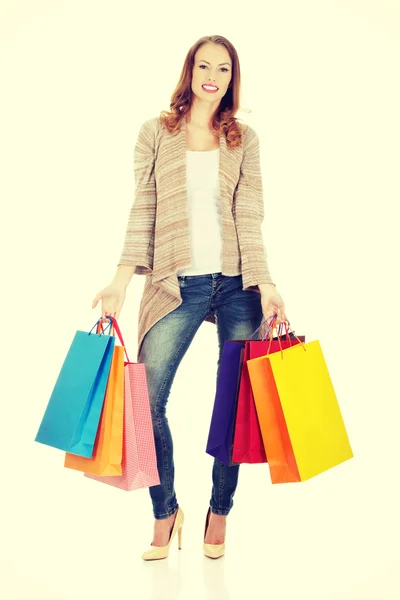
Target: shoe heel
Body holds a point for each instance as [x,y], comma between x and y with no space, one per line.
[180,538]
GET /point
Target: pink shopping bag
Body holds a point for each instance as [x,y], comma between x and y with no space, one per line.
[139,460]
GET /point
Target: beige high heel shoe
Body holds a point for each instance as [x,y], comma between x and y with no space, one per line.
[158,552]
[212,550]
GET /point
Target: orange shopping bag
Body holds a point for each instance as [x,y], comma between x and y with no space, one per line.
[299,415]
[107,450]
[139,459]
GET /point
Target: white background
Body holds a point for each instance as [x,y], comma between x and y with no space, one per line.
[322,82]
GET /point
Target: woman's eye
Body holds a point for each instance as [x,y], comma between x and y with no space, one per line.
[225,69]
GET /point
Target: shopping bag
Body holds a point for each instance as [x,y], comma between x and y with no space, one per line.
[107,452]
[139,459]
[248,445]
[71,419]
[299,415]
[220,436]
[278,448]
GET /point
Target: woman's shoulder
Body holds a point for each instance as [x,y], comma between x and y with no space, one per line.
[151,125]
[148,135]
[249,135]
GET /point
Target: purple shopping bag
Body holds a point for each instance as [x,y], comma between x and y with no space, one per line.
[220,437]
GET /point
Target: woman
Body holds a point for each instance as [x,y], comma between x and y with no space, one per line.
[194,230]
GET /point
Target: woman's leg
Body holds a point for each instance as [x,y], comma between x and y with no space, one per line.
[238,314]
[162,350]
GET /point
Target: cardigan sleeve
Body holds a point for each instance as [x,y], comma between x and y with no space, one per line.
[248,209]
[138,246]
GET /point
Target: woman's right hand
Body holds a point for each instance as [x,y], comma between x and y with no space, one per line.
[112,299]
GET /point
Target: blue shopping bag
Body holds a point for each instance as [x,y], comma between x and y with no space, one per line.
[72,416]
[223,419]
[220,436]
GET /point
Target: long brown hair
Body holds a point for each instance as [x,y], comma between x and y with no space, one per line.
[223,120]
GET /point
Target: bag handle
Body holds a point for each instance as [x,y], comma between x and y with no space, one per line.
[270,331]
[262,323]
[100,326]
[117,329]
[114,325]
[272,327]
[99,323]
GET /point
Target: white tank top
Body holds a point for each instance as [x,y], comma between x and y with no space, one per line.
[204,205]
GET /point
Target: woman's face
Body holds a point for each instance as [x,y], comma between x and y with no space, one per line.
[212,64]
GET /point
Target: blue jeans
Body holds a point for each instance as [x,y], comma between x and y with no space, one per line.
[238,314]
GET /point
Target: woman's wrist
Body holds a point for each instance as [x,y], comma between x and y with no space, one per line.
[123,275]
[266,286]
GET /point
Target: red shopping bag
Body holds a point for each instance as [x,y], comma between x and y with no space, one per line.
[248,445]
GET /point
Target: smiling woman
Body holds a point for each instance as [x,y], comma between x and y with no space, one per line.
[194,231]
[211,75]
[211,61]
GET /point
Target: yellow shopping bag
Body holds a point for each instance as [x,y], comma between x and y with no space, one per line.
[107,450]
[308,412]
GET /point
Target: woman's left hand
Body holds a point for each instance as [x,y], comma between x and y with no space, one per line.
[272,303]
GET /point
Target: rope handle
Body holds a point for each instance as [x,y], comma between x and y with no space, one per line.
[271,329]
[262,323]
[114,327]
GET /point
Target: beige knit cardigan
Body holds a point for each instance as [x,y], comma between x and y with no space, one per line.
[157,239]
